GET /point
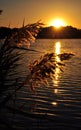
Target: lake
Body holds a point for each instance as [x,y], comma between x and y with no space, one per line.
[57,106]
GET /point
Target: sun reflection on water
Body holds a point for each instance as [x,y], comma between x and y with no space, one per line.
[56,90]
[54,103]
[57,48]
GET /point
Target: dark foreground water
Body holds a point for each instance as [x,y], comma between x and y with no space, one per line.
[57,106]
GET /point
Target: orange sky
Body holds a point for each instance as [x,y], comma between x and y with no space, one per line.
[14,11]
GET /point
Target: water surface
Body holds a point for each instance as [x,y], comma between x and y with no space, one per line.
[57,106]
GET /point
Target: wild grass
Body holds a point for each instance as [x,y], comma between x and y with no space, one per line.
[44,69]
[10,55]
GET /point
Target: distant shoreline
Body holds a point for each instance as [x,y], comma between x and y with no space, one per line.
[67,32]
[51,32]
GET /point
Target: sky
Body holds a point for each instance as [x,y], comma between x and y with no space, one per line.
[31,11]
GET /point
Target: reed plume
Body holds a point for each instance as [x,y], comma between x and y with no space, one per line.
[10,54]
[44,69]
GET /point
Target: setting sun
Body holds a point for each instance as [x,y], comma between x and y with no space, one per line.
[57,23]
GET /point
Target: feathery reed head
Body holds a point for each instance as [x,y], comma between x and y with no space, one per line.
[43,69]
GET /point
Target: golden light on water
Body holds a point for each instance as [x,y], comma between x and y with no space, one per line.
[56,75]
[54,103]
[57,48]
[56,90]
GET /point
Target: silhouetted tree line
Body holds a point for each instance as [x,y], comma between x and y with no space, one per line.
[6,31]
[63,32]
[47,32]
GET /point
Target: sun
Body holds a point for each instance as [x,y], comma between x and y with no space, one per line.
[57,23]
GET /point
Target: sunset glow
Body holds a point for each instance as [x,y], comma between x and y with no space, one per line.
[67,11]
[57,23]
